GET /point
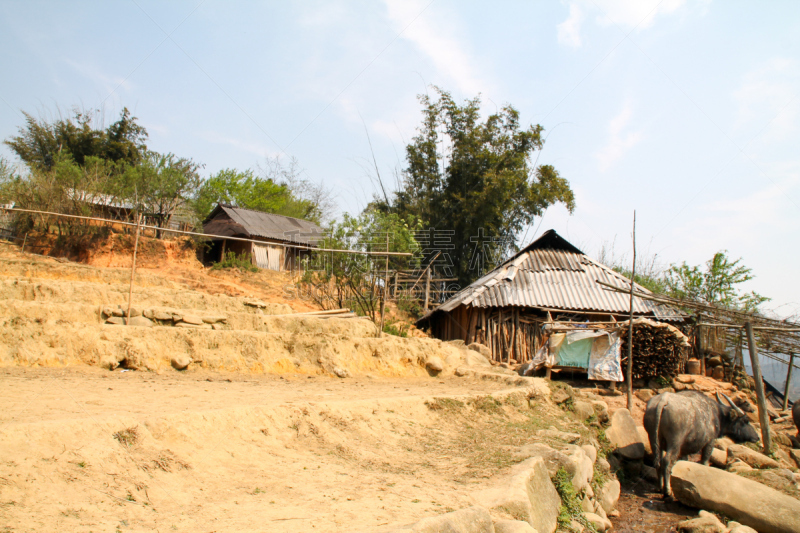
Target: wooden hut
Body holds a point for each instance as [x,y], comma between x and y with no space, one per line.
[286,240]
[514,308]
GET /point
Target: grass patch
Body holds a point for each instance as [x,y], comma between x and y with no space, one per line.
[445,404]
[570,503]
[488,404]
[128,436]
[231,260]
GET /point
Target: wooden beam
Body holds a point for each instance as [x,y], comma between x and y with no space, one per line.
[763,415]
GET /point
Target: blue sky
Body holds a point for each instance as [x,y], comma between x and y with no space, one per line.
[684,110]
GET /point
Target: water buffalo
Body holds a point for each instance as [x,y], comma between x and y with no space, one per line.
[796,416]
[687,422]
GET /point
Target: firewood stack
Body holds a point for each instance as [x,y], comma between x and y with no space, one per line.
[658,348]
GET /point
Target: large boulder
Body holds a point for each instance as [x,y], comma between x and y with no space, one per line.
[469,520]
[751,457]
[748,502]
[705,523]
[600,523]
[573,459]
[608,496]
[481,349]
[624,436]
[527,494]
[513,526]
[583,409]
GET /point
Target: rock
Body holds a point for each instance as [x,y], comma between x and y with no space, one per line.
[686,379]
[135,311]
[162,315]
[614,514]
[576,526]
[192,326]
[340,372]
[645,394]
[719,458]
[624,436]
[590,451]
[434,364]
[118,312]
[574,460]
[587,505]
[527,494]
[557,434]
[645,438]
[583,409]
[181,362]
[736,527]
[469,520]
[738,467]
[513,526]
[218,327]
[561,395]
[140,321]
[215,319]
[705,523]
[776,480]
[192,319]
[481,349]
[107,311]
[603,464]
[461,372]
[608,496]
[148,313]
[795,454]
[678,386]
[601,524]
[781,438]
[748,502]
[751,457]
[718,373]
[601,410]
[115,320]
[722,443]
[649,473]
[713,361]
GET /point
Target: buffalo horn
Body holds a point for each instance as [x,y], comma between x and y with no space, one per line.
[733,405]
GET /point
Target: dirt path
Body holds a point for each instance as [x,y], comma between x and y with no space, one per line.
[91,450]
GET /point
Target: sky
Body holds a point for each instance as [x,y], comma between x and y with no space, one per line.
[685,111]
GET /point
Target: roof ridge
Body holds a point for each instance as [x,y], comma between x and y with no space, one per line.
[228,206]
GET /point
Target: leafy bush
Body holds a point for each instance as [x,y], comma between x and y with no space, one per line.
[232,260]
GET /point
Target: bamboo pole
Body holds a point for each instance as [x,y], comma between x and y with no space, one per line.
[763,416]
[25,240]
[630,323]
[385,287]
[133,267]
[427,288]
[788,382]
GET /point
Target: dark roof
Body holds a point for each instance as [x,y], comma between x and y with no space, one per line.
[229,220]
[552,273]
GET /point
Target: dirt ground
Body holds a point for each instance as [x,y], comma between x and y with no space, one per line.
[86,449]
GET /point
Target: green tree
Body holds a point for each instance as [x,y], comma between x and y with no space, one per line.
[161,184]
[245,189]
[714,284]
[336,280]
[473,177]
[40,141]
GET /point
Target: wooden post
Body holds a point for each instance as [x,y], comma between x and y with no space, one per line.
[788,382]
[763,416]
[427,288]
[394,291]
[222,254]
[385,286]
[133,266]
[24,241]
[629,373]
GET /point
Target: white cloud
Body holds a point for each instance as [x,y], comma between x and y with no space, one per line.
[766,97]
[619,142]
[110,83]
[569,31]
[436,40]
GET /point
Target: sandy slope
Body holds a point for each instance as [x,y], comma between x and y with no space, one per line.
[225,452]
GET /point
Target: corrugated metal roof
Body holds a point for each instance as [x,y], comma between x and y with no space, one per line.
[270,225]
[552,273]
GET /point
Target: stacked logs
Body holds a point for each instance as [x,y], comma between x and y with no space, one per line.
[659,349]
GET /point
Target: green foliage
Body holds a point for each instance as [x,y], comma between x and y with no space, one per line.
[570,502]
[474,178]
[39,142]
[392,329]
[714,284]
[336,280]
[232,260]
[245,189]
